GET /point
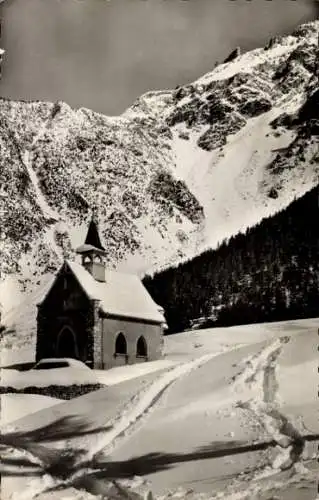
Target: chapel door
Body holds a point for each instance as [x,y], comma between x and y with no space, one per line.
[66,345]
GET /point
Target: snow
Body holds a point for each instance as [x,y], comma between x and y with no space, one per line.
[67,362]
[10,294]
[247,62]
[232,183]
[236,173]
[14,406]
[68,376]
[27,161]
[21,318]
[217,390]
[218,339]
[203,409]
[180,422]
[33,177]
[123,373]
[45,378]
[145,403]
[49,239]
[116,296]
[22,355]
[121,294]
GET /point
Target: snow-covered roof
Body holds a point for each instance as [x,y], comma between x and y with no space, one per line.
[120,295]
[88,248]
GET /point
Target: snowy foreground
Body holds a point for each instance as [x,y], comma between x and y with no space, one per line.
[229,413]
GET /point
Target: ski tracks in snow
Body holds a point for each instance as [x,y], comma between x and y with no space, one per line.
[143,403]
[257,382]
[122,426]
[259,376]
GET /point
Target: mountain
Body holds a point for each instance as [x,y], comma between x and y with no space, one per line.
[270,273]
[178,172]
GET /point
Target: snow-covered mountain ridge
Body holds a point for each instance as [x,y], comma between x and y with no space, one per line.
[179,171]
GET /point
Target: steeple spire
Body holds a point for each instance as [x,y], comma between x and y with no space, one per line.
[94,216]
[93,237]
[92,251]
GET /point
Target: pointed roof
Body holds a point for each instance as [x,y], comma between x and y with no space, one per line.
[121,295]
[93,237]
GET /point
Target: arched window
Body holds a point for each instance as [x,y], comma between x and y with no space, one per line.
[141,347]
[120,344]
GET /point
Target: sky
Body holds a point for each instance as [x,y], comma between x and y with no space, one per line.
[103,54]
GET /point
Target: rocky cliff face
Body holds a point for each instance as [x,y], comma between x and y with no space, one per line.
[178,171]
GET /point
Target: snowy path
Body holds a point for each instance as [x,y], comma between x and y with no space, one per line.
[214,423]
[144,403]
[76,463]
[199,435]
[42,203]
[26,158]
[265,408]
[51,215]
[47,211]
[193,428]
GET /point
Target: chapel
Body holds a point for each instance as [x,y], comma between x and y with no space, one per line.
[99,316]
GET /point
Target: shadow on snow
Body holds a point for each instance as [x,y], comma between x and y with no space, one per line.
[42,459]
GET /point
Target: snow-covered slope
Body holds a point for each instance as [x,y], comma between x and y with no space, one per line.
[234,417]
[177,172]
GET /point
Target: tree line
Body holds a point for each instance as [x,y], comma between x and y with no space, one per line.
[269,273]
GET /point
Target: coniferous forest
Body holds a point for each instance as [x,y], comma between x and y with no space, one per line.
[270,273]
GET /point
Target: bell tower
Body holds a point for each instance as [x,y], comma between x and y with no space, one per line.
[92,252]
